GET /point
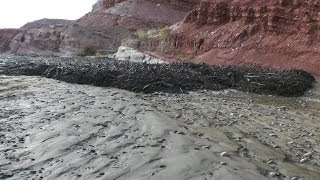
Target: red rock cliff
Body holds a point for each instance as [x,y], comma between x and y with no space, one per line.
[277,33]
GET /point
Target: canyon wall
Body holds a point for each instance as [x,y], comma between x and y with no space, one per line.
[274,33]
[101,30]
[137,14]
[6,36]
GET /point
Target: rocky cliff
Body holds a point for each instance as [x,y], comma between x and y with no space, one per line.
[6,36]
[101,30]
[277,33]
[138,14]
[61,41]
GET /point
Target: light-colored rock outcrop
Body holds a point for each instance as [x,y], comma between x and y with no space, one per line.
[130,54]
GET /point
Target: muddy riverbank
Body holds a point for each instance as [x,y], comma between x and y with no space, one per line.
[55,130]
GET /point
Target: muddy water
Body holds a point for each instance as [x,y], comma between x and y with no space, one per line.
[55,130]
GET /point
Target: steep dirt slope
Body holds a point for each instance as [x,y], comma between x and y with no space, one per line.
[138,14]
[275,33]
[46,23]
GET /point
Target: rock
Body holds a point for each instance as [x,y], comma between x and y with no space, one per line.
[273,174]
[270,162]
[273,135]
[295,178]
[304,159]
[129,54]
[308,154]
[223,163]
[6,174]
[290,142]
[224,154]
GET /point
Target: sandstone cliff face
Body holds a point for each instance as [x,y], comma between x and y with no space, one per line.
[71,40]
[276,33]
[40,41]
[76,39]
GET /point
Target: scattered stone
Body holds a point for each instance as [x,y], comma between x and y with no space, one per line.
[304,159]
[271,162]
[223,163]
[224,154]
[6,174]
[177,116]
[273,174]
[273,135]
[205,147]
[308,154]
[290,142]
[282,108]
[295,178]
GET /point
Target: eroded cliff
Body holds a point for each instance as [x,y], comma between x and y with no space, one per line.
[137,14]
[275,33]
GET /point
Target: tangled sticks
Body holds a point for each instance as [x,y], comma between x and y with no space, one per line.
[171,78]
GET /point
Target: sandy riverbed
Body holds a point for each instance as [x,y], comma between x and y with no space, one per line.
[55,130]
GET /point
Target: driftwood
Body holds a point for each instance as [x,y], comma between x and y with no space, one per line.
[171,78]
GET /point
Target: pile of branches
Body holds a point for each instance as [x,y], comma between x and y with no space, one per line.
[169,78]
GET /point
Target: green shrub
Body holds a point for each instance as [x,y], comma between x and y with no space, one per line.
[165,31]
[142,35]
[250,65]
[88,51]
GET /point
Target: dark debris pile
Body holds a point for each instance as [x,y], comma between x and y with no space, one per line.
[170,78]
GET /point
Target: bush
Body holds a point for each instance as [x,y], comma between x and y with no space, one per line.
[165,31]
[88,51]
[142,35]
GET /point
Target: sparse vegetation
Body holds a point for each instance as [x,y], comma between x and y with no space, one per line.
[142,34]
[98,54]
[88,51]
[250,65]
[165,31]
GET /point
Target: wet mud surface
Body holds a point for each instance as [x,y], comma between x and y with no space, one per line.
[55,130]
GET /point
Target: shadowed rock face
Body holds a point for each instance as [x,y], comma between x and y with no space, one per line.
[273,33]
[6,36]
[67,40]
